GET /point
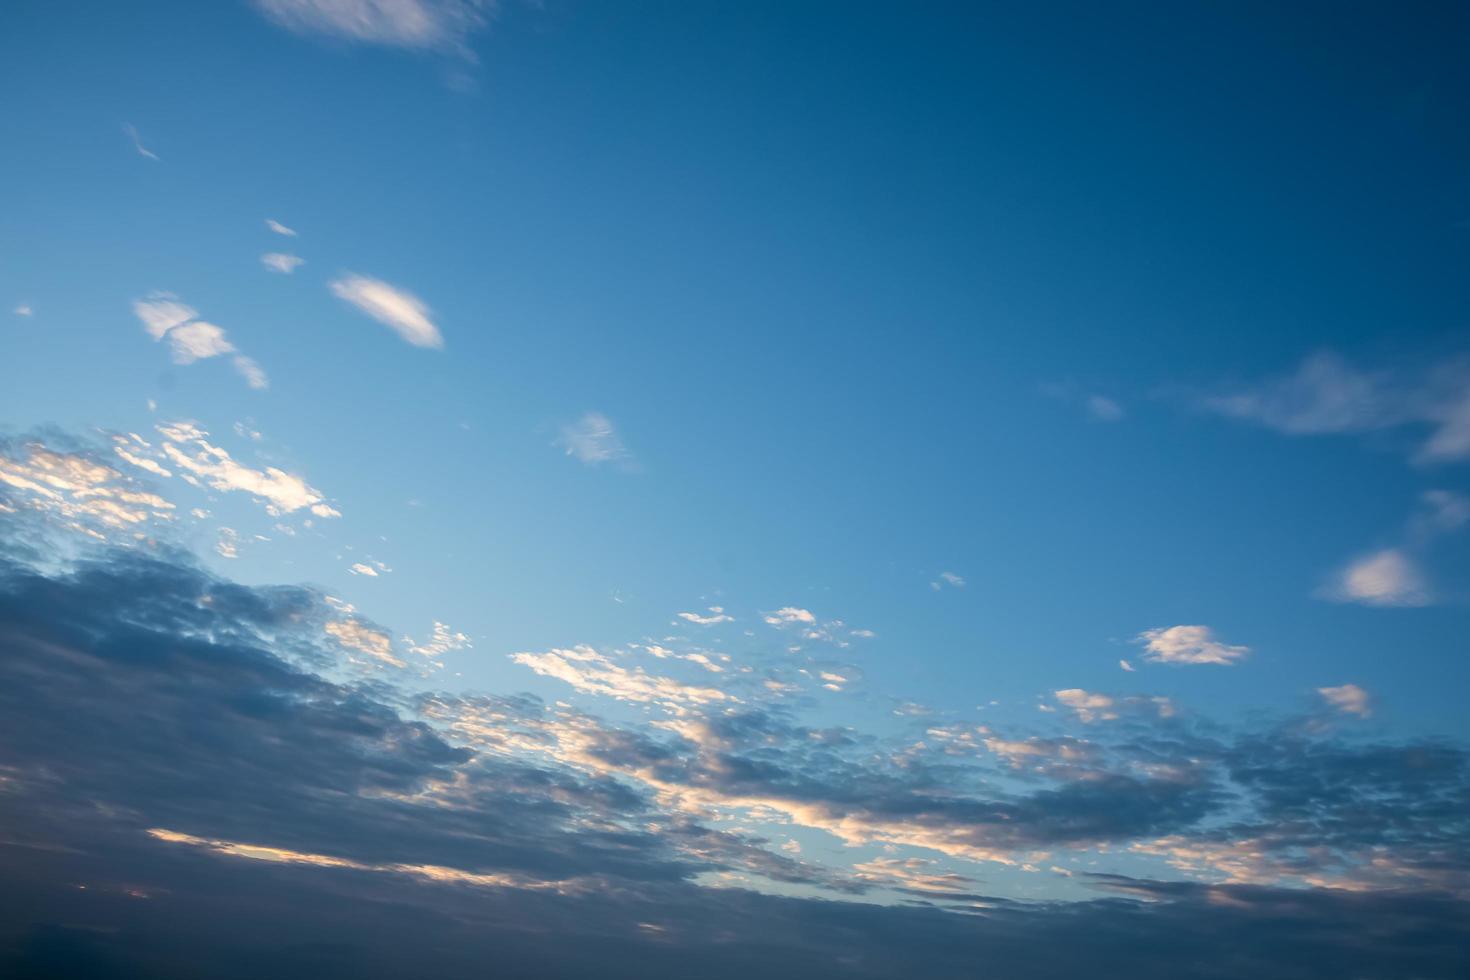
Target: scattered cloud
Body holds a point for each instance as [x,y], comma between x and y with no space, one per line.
[592,440]
[787,615]
[401,311]
[1126,666]
[443,640]
[279,228]
[143,151]
[281,262]
[1089,707]
[1347,698]
[1189,645]
[424,25]
[190,339]
[188,448]
[24,309]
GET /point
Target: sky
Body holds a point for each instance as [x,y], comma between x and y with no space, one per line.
[666,489]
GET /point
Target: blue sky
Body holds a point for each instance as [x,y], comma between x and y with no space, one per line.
[1013,391]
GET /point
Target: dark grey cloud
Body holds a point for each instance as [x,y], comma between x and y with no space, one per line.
[138,691]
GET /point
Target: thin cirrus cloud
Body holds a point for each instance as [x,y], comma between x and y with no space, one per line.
[592,440]
[1189,645]
[423,25]
[190,339]
[399,310]
[279,228]
[143,151]
[281,262]
[1327,395]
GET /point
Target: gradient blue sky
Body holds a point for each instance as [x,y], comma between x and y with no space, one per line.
[1005,335]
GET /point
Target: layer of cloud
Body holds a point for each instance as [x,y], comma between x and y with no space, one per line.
[401,311]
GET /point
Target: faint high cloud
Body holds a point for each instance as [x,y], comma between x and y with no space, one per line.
[424,25]
[1189,645]
[403,312]
[1327,395]
[947,579]
[1099,408]
[1384,578]
[716,614]
[281,262]
[1104,409]
[24,309]
[190,339]
[1348,698]
[592,440]
[279,228]
[143,151]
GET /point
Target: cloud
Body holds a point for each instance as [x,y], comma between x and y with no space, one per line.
[190,339]
[593,673]
[1384,578]
[1347,698]
[443,640]
[1089,707]
[23,309]
[1189,645]
[789,614]
[281,262]
[716,615]
[187,446]
[74,488]
[947,578]
[143,151]
[413,24]
[397,309]
[359,568]
[1327,395]
[592,440]
[279,228]
[1104,409]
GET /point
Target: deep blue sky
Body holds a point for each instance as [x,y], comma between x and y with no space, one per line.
[1008,333]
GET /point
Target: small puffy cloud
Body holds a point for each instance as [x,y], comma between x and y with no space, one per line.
[401,311]
[279,228]
[717,614]
[1347,698]
[190,339]
[228,543]
[1126,666]
[1189,645]
[789,614]
[1089,707]
[424,25]
[24,309]
[281,262]
[361,569]
[1104,409]
[592,440]
[1384,578]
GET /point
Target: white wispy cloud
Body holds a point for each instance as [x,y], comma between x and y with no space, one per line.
[1104,409]
[1088,706]
[1384,578]
[403,312]
[593,673]
[592,440]
[279,228]
[716,615]
[190,339]
[24,309]
[1328,395]
[143,151]
[1189,645]
[947,578]
[415,24]
[443,640]
[1348,698]
[281,262]
[187,446]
